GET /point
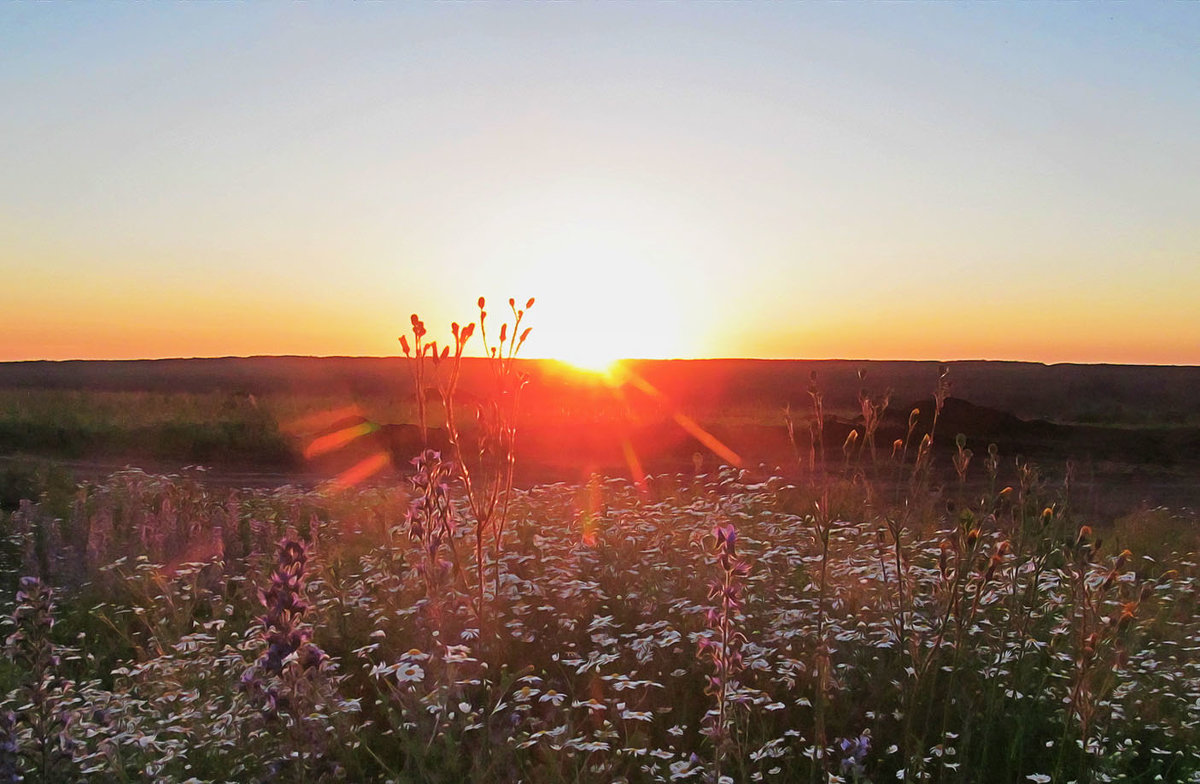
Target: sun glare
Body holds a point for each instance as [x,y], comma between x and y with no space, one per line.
[608,275]
[591,359]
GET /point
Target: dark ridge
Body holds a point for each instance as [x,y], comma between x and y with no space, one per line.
[1142,419]
[1084,394]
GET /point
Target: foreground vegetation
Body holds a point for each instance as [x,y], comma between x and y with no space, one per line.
[684,629]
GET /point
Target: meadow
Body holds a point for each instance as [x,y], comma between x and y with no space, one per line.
[694,628]
[878,612]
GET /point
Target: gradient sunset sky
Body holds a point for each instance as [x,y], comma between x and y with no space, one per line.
[892,180]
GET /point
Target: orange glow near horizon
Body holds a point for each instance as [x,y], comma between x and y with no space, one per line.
[601,293]
[600,364]
[590,359]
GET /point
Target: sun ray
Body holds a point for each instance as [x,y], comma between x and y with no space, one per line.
[338,439]
[320,420]
[708,439]
[636,472]
[362,470]
[689,425]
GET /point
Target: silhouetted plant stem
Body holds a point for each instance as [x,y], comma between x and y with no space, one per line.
[726,651]
[417,365]
[487,468]
[824,529]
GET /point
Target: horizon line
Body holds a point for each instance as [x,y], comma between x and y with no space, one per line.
[622,359]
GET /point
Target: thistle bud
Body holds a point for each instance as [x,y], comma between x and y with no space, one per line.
[481,303]
[529,304]
[404,345]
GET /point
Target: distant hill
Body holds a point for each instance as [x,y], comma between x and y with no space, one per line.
[1089,394]
[1133,431]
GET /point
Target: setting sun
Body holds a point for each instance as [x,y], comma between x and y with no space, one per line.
[591,359]
[609,278]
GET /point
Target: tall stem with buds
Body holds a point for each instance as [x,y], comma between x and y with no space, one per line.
[725,649]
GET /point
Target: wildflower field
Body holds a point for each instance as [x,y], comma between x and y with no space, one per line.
[691,628]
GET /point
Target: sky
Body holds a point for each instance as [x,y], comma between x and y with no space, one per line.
[852,180]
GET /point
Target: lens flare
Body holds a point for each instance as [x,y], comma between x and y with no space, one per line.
[598,362]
